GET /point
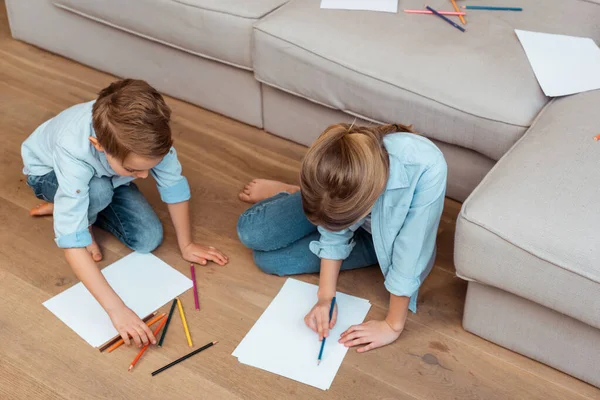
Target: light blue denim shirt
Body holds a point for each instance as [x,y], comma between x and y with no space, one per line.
[62,145]
[404,219]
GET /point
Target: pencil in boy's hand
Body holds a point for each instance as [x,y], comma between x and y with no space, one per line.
[196,301]
[139,355]
[158,371]
[116,338]
[185,325]
[162,337]
[121,341]
[323,342]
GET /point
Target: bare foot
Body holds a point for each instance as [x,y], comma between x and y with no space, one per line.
[94,249]
[42,209]
[260,189]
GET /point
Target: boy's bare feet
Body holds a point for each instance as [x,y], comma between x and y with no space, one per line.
[94,249]
[42,209]
[260,189]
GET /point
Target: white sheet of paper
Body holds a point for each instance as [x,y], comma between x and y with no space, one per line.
[364,5]
[143,281]
[281,343]
[562,64]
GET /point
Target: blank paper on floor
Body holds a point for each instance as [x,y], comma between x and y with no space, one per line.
[144,282]
[562,64]
[364,5]
[281,343]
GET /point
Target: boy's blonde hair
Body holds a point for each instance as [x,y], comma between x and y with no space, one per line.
[344,172]
[130,116]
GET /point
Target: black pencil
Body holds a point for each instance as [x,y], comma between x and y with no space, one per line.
[158,371]
[164,333]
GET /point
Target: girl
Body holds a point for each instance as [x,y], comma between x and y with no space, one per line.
[367,195]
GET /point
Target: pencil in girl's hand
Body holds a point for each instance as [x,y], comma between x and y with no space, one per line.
[323,342]
[120,342]
[158,371]
[196,301]
[460,28]
[185,325]
[143,350]
[116,338]
[162,337]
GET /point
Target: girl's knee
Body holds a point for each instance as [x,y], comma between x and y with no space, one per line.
[268,263]
[249,231]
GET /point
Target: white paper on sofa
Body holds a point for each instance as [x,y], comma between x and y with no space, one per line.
[364,5]
[281,343]
[562,64]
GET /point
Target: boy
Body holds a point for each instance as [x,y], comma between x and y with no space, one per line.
[82,162]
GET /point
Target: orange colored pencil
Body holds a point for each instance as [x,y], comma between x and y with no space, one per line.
[462,19]
[120,342]
[143,350]
[597,137]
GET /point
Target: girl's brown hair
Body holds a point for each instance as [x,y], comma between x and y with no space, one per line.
[130,116]
[344,172]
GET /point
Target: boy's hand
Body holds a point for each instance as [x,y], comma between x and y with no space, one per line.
[318,318]
[373,333]
[128,324]
[193,252]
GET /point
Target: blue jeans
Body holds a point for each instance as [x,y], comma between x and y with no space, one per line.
[279,233]
[122,211]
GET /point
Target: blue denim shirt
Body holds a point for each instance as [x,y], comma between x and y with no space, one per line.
[62,145]
[404,219]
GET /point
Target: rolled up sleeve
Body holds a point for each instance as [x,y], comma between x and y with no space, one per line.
[71,201]
[172,185]
[335,245]
[414,247]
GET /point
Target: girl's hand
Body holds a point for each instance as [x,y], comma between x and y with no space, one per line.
[128,324]
[373,333]
[318,318]
[193,252]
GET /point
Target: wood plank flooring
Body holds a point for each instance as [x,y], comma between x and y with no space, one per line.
[42,359]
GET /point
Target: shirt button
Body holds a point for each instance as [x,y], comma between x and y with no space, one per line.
[78,191]
[171,151]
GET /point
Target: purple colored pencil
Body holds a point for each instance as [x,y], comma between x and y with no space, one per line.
[195,286]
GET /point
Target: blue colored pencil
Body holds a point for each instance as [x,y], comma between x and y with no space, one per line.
[492,8]
[460,28]
[323,342]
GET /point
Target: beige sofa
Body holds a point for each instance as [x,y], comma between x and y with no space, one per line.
[291,68]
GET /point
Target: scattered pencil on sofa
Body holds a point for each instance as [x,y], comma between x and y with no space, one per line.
[462,19]
[490,8]
[143,350]
[120,342]
[185,325]
[116,338]
[450,13]
[164,333]
[158,371]
[460,28]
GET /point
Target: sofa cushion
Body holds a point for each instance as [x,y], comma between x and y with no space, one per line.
[531,227]
[473,89]
[215,29]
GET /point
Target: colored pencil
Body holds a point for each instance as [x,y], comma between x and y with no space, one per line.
[323,342]
[185,325]
[196,301]
[162,337]
[597,137]
[120,342]
[462,19]
[492,8]
[158,371]
[460,28]
[116,338]
[451,13]
[143,350]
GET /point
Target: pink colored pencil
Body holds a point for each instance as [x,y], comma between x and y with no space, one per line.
[195,286]
[453,13]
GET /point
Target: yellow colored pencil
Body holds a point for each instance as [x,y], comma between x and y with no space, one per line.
[185,326]
[462,19]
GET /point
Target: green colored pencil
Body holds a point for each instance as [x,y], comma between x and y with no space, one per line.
[162,338]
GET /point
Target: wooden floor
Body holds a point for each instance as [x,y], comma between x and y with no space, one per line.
[40,358]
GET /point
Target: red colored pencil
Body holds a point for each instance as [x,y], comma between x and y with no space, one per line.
[597,137]
[143,350]
[196,301]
